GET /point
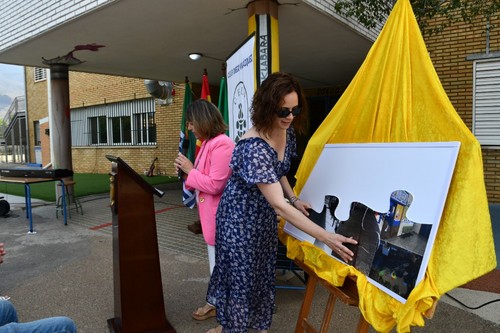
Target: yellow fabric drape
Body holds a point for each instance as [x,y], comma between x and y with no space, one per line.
[396,96]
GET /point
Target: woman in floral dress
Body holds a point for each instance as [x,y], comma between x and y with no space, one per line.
[242,283]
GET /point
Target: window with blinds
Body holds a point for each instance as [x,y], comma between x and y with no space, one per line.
[116,124]
[486,102]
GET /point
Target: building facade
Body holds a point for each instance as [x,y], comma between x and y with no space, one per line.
[114,115]
[110,115]
[466,57]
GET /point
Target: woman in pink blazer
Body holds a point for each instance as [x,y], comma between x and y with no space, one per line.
[209,174]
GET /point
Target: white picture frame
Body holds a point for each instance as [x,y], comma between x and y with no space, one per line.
[401,188]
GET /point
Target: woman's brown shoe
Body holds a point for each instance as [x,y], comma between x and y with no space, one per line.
[205,312]
[218,329]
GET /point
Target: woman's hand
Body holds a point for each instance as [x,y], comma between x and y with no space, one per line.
[336,243]
[183,163]
[302,206]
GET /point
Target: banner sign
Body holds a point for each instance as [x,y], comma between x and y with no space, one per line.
[240,87]
[263,48]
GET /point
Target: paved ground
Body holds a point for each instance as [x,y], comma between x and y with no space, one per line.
[67,270]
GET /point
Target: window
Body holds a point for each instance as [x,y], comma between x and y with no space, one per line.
[486,108]
[40,74]
[145,128]
[121,132]
[36,134]
[98,130]
[117,124]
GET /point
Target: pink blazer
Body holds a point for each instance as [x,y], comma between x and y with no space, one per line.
[209,178]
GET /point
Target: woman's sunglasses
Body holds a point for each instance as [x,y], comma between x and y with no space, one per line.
[284,112]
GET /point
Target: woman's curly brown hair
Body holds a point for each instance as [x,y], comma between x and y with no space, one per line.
[269,98]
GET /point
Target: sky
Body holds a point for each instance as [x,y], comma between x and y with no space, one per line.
[11,85]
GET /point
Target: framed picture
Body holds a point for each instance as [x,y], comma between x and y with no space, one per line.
[387,196]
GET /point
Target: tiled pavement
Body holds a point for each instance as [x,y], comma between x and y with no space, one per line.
[172,218]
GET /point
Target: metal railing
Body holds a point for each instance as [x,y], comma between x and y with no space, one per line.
[13,132]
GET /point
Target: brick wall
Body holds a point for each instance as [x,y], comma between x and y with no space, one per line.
[449,50]
[36,108]
[168,120]
[45,143]
[93,89]
[491,162]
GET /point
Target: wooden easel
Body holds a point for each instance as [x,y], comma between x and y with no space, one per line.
[347,293]
[138,289]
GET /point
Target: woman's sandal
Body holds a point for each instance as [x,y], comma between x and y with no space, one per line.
[217,329]
[205,312]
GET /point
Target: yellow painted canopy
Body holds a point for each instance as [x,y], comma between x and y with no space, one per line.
[396,96]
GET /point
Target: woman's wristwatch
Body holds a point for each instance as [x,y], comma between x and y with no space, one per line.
[293,200]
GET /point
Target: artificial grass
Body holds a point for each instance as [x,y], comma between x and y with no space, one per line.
[86,184]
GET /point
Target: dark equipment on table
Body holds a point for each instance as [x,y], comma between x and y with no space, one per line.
[36,173]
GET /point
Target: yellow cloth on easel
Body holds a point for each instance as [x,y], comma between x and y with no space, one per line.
[396,96]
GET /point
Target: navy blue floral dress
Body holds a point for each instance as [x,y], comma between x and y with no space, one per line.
[242,283]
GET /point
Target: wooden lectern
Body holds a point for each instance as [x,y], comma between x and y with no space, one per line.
[138,290]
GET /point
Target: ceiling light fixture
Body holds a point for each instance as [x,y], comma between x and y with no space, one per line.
[195,56]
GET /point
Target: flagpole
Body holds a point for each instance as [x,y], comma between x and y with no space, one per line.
[186,141]
[223,96]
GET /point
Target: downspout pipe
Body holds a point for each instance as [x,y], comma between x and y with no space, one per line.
[156,89]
